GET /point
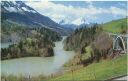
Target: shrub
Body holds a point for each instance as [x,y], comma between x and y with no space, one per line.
[101,45]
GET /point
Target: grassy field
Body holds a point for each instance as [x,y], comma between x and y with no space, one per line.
[103,70]
[116,26]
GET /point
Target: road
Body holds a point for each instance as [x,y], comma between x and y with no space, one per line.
[122,78]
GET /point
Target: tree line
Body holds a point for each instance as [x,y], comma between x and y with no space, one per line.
[31,41]
[98,41]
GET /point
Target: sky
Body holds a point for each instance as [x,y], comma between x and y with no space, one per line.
[75,12]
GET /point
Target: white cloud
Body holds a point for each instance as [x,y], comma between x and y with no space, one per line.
[57,12]
[117,11]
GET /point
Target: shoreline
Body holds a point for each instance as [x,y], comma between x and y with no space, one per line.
[52,64]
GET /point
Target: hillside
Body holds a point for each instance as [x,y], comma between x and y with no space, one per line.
[19,12]
[13,32]
[103,70]
[94,52]
[116,26]
[25,40]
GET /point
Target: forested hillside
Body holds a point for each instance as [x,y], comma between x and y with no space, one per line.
[94,52]
[90,43]
[95,40]
[27,40]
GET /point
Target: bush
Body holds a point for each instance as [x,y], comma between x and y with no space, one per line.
[101,45]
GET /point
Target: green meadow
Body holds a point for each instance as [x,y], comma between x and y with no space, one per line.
[105,69]
[116,26]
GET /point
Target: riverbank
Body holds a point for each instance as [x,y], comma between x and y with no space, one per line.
[36,66]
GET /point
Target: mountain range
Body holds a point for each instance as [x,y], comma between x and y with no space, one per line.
[19,12]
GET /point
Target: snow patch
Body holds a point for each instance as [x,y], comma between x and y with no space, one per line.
[25,9]
[14,2]
[64,21]
[33,11]
[80,21]
[11,9]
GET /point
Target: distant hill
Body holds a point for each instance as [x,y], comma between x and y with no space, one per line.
[116,26]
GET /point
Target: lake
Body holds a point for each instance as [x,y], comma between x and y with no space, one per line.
[5,45]
[35,66]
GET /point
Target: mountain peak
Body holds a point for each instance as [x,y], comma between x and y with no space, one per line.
[64,21]
[19,12]
[80,21]
[16,6]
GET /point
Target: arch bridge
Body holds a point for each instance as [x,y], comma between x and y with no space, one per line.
[120,42]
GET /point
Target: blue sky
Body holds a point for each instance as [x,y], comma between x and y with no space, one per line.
[120,4]
[75,11]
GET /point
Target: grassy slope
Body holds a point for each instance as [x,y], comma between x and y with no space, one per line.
[105,69]
[115,26]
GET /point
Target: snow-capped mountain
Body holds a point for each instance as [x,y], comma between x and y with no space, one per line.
[67,24]
[80,21]
[64,21]
[76,22]
[19,12]
[16,6]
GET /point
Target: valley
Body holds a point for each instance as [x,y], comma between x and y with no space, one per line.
[37,47]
